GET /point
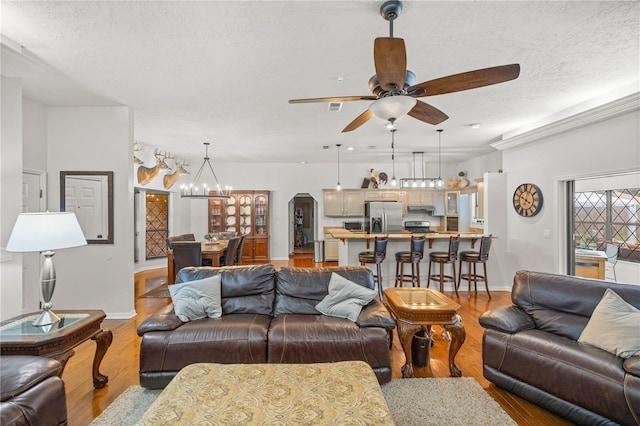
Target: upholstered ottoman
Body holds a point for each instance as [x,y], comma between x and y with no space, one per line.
[253,394]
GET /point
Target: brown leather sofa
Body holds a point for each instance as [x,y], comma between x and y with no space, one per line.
[32,391]
[530,349]
[267,317]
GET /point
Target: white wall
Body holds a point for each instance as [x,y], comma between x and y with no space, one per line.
[34,157]
[10,195]
[575,151]
[95,276]
[284,180]
[477,167]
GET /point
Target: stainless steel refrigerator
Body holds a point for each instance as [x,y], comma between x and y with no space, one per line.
[383,217]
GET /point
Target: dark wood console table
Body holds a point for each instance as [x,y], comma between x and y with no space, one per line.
[19,337]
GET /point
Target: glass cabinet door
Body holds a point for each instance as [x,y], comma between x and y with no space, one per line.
[261,214]
[231,215]
[217,210]
[244,214]
[451,203]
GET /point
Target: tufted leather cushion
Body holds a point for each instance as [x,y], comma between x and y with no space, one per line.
[245,289]
[298,290]
[32,392]
[544,297]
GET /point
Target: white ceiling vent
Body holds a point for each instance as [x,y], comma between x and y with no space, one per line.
[335,106]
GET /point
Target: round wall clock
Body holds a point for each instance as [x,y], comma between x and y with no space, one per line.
[527,200]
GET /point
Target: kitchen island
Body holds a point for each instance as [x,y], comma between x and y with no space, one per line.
[352,243]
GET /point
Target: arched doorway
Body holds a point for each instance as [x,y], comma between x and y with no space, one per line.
[303,225]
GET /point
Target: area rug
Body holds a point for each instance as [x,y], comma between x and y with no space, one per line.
[413,402]
[160,292]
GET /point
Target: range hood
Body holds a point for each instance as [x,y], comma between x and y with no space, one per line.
[425,208]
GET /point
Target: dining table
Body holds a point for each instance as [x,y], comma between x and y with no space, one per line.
[213,251]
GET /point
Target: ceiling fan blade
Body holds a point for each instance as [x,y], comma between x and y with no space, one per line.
[390,58]
[468,80]
[359,121]
[427,113]
[334,99]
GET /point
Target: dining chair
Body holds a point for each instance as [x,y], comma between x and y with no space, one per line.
[229,258]
[238,259]
[181,237]
[186,253]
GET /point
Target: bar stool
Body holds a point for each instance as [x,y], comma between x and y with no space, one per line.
[473,258]
[414,256]
[443,258]
[376,256]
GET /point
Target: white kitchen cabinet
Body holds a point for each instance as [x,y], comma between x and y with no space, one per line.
[330,248]
[438,203]
[419,197]
[384,195]
[451,199]
[344,203]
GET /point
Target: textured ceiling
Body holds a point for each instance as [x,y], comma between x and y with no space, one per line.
[223,71]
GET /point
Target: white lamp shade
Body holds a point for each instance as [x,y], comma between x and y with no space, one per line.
[45,231]
[392,106]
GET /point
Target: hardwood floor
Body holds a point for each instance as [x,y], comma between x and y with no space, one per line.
[84,403]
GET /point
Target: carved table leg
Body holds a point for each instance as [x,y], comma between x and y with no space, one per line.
[458,335]
[406,333]
[103,340]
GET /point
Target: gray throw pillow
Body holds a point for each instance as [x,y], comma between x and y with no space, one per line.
[197,299]
[614,326]
[345,298]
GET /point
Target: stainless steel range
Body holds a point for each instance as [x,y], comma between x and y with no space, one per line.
[418,227]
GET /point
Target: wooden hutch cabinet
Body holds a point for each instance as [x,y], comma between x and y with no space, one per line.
[246,213]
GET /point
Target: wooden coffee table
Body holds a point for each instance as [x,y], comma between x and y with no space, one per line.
[418,309]
[19,337]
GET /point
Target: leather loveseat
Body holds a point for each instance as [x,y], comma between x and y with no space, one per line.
[32,391]
[531,349]
[267,317]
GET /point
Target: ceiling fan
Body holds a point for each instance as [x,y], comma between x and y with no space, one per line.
[393,87]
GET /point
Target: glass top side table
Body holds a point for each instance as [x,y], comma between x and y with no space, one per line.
[19,337]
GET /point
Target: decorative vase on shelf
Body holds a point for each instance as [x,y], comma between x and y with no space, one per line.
[462,182]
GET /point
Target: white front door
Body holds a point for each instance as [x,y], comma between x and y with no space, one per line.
[85,196]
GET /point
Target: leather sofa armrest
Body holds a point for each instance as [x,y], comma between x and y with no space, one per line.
[375,314]
[632,365]
[507,319]
[163,320]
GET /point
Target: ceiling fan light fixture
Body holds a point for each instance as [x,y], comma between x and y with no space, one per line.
[392,107]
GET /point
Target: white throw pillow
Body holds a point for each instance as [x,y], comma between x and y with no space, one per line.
[345,298]
[614,326]
[197,299]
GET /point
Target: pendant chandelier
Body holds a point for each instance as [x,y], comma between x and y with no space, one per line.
[439,183]
[415,182]
[202,190]
[393,158]
[338,188]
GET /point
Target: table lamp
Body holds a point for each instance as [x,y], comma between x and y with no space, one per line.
[45,232]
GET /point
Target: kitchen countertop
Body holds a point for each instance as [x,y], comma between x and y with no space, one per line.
[343,234]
